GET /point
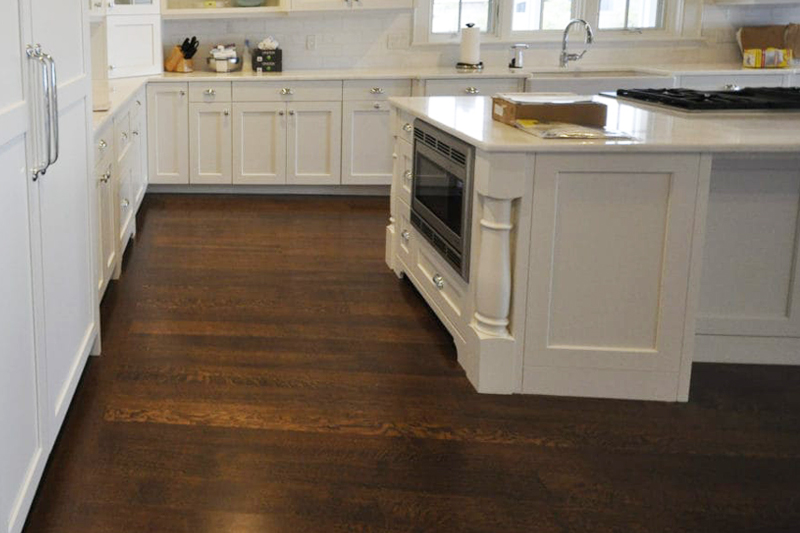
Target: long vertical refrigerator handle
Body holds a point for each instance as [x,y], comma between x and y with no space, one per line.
[53,106]
[35,53]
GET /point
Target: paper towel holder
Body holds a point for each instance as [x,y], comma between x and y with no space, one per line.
[469,67]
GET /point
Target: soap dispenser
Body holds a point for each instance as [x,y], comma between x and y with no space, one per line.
[516,55]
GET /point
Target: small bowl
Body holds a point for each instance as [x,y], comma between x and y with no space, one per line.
[233,64]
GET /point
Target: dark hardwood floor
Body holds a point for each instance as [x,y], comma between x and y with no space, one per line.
[263,371]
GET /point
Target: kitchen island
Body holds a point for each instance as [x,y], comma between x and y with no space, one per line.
[586,261]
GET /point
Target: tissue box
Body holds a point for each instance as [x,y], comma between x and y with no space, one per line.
[267,60]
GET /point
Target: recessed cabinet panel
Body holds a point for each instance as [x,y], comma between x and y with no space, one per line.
[752,226]
[259,141]
[168,128]
[21,446]
[610,252]
[367,144]
[314,143]
[134,45]
[210,146]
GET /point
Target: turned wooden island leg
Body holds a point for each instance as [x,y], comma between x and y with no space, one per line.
[493,292]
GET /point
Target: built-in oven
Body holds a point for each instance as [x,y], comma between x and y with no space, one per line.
[441,198]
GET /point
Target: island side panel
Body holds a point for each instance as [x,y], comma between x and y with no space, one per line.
[610,261]
[750,289]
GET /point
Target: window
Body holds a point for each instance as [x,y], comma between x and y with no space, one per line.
[440,21]
[631,14]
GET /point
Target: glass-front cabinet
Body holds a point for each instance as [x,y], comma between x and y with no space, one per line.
[133,7]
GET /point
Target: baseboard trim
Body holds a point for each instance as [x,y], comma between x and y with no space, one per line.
[324,190]
[747,350]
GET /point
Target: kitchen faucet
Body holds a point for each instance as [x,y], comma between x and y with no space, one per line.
[588,40]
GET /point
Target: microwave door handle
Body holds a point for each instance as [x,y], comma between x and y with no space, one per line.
[55,141]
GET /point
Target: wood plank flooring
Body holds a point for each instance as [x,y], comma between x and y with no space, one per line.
[264,371]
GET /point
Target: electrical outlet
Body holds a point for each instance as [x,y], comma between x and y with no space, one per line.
[311,42]
[397,41]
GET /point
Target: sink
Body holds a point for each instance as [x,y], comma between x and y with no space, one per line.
[576,73]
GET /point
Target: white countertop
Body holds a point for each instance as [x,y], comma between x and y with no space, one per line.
[469,118]
[120,92]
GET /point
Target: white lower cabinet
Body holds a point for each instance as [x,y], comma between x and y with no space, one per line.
[139,132]
[259,140]
[210,157]
[366,143]
[314,143]
[168,133]
[106,195]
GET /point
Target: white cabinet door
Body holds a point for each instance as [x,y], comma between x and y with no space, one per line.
[367,144]
[134,45]
[133,7]
[106,201]
[259,141]
[210,143]
[168,133]
[751,269]
[314,143]
[609,271]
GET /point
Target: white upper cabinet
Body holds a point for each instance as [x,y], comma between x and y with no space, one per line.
[134,45]
[133,7]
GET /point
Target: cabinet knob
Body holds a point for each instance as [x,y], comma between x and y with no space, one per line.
[286,91]
[135,132]
[291,113]
[112,67]
[405,235]
[472,90]
[226,112]
[407,127]
[377,106]
[105,177]
[124,136]
[211,92]
[138,102]
[280,113]
[438,280]
[376,90]
[125,202]
[182,93]
[408,174]
[102,144]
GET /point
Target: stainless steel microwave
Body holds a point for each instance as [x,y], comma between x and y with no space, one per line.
[441,197]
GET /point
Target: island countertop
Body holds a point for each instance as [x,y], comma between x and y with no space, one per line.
[652,129]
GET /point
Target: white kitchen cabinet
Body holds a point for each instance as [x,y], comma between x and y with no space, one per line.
[106,183]
[610,251]
[333,5]
[168,133]
[719,82]
[259,141]
[475,86]
[133,7]
[367,143]
[314,143]
[210,144]
[139,132]
[134,45]
[752,226]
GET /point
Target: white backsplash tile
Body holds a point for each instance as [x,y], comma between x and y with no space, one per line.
[348,40]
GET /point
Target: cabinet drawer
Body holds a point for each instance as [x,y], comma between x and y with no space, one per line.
[103,148]
[406,239]
[209,92]
[403,167]
[287,91]
[122,134]
[445,287]
[471,87]
[404,127]
[376,89]
[720,81]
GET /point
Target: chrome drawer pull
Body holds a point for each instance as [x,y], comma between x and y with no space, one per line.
[376,90]
[211,92]
[377,106]
[472,90]
[286,91]
[407,127]
[125,202]
[405,235]
[438,281]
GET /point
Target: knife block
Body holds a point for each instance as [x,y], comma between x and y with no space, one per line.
[177,63]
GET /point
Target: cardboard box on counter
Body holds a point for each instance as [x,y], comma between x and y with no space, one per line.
[573,109]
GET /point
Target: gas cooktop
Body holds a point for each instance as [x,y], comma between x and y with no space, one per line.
[749,98]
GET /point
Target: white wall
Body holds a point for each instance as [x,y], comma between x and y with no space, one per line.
[360,40]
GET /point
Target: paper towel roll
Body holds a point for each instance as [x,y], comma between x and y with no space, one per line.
[471,45]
